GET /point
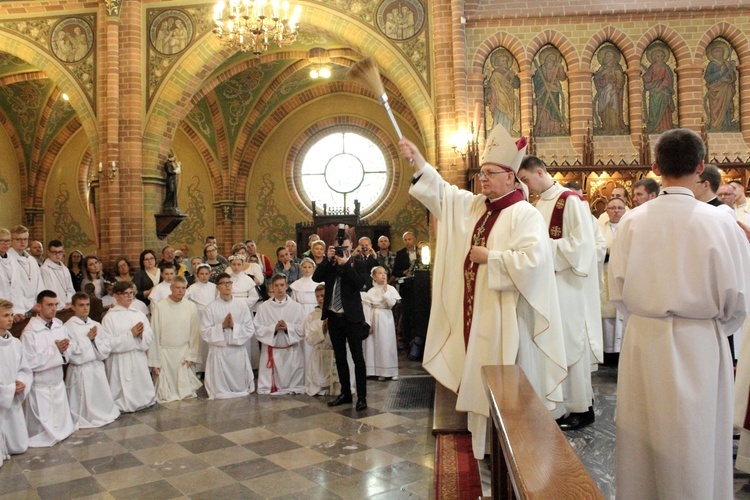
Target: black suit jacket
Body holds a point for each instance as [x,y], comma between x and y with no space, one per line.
[715,202]
[351,284]
[401,264]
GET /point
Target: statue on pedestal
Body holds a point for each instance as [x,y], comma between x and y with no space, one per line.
[172,168]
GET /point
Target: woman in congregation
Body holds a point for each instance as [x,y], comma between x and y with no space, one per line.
[75,266]
[147,277]
[93,273]
[210,254]
[123,270]
[318,251]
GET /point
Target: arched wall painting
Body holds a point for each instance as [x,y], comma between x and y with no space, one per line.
[551,93]
[502,92]
[721,96]
[659,88]
[609,91]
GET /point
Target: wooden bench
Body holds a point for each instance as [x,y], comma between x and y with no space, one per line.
[531,458]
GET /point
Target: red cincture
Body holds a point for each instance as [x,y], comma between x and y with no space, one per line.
[479,238]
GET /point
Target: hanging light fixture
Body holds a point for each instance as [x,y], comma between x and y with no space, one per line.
[319,63]
[250,25]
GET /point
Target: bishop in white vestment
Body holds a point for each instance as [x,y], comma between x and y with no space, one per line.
[91,402]
[278,327]
[45,345]
[226,326]
[15,383]
[495,299]
[674,386]
[127,365]
[174,351]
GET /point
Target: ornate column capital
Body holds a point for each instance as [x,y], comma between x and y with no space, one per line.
[113,7]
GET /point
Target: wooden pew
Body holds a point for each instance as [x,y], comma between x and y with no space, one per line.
[531,458]
[445,418]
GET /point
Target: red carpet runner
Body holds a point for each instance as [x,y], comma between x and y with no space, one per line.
[456,469]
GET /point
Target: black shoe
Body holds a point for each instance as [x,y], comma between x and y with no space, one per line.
[576,421]
[361,404]
[341,399]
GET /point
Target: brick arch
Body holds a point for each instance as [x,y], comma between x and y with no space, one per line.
[674,41]
[560,41]
[241,175]
[20,159]
[500,39]
[730,33]
[170,103]
[84,169]
[395,100]
[617,38]
[214,171]
[36,197]
[373,130]
[28,51]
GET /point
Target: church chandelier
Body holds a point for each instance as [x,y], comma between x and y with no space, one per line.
[251,25]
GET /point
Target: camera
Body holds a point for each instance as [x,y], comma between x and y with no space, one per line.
[340,249]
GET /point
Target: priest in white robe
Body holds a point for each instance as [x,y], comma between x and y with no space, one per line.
[494,295]
[15,383]
[56,276]
[674,386]
[45,346]
[127,365]
[278,327]
[174,351]
[571,238]
[613,321]
[226,326]
[8,272]
[321,377]
[91,402]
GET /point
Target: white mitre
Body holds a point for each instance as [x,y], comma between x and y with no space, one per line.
[503,151]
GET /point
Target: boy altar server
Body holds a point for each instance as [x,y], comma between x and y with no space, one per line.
[321,377]
[91,403]
[175,348]
[45,346]
[226,326]
[127,366]
[279,328]
[380,349]
[15,384]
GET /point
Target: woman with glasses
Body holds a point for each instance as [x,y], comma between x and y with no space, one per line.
[210,257]
[123,270]
[147,277]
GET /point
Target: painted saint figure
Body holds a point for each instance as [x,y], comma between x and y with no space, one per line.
[501,94]
[720,77]
[609,81]
[549,95]
[171,168]
[658,81]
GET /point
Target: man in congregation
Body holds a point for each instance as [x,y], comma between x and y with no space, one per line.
[56,276]
[342,307]
[571,233]
[706,186]
[227,325]
[365,260]
[30,282]
[644,190]
[674,388]
[495,299]
[174,351]
[741,206]
[45,346]
[291,247]
[386,258]
[36,250]
[279,328]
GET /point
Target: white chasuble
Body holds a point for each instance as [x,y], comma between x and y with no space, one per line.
[516,316]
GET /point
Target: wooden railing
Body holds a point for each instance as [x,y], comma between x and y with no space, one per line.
[531,458]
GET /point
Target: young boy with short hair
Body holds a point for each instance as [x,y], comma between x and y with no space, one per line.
[15,384]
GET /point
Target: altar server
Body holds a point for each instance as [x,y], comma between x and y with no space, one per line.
[15,384]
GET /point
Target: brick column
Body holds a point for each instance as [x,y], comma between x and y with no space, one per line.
[635,104]
[743,69]
[689,91]
[581,112]
[444,80]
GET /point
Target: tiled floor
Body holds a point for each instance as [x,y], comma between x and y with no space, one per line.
[254,447]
